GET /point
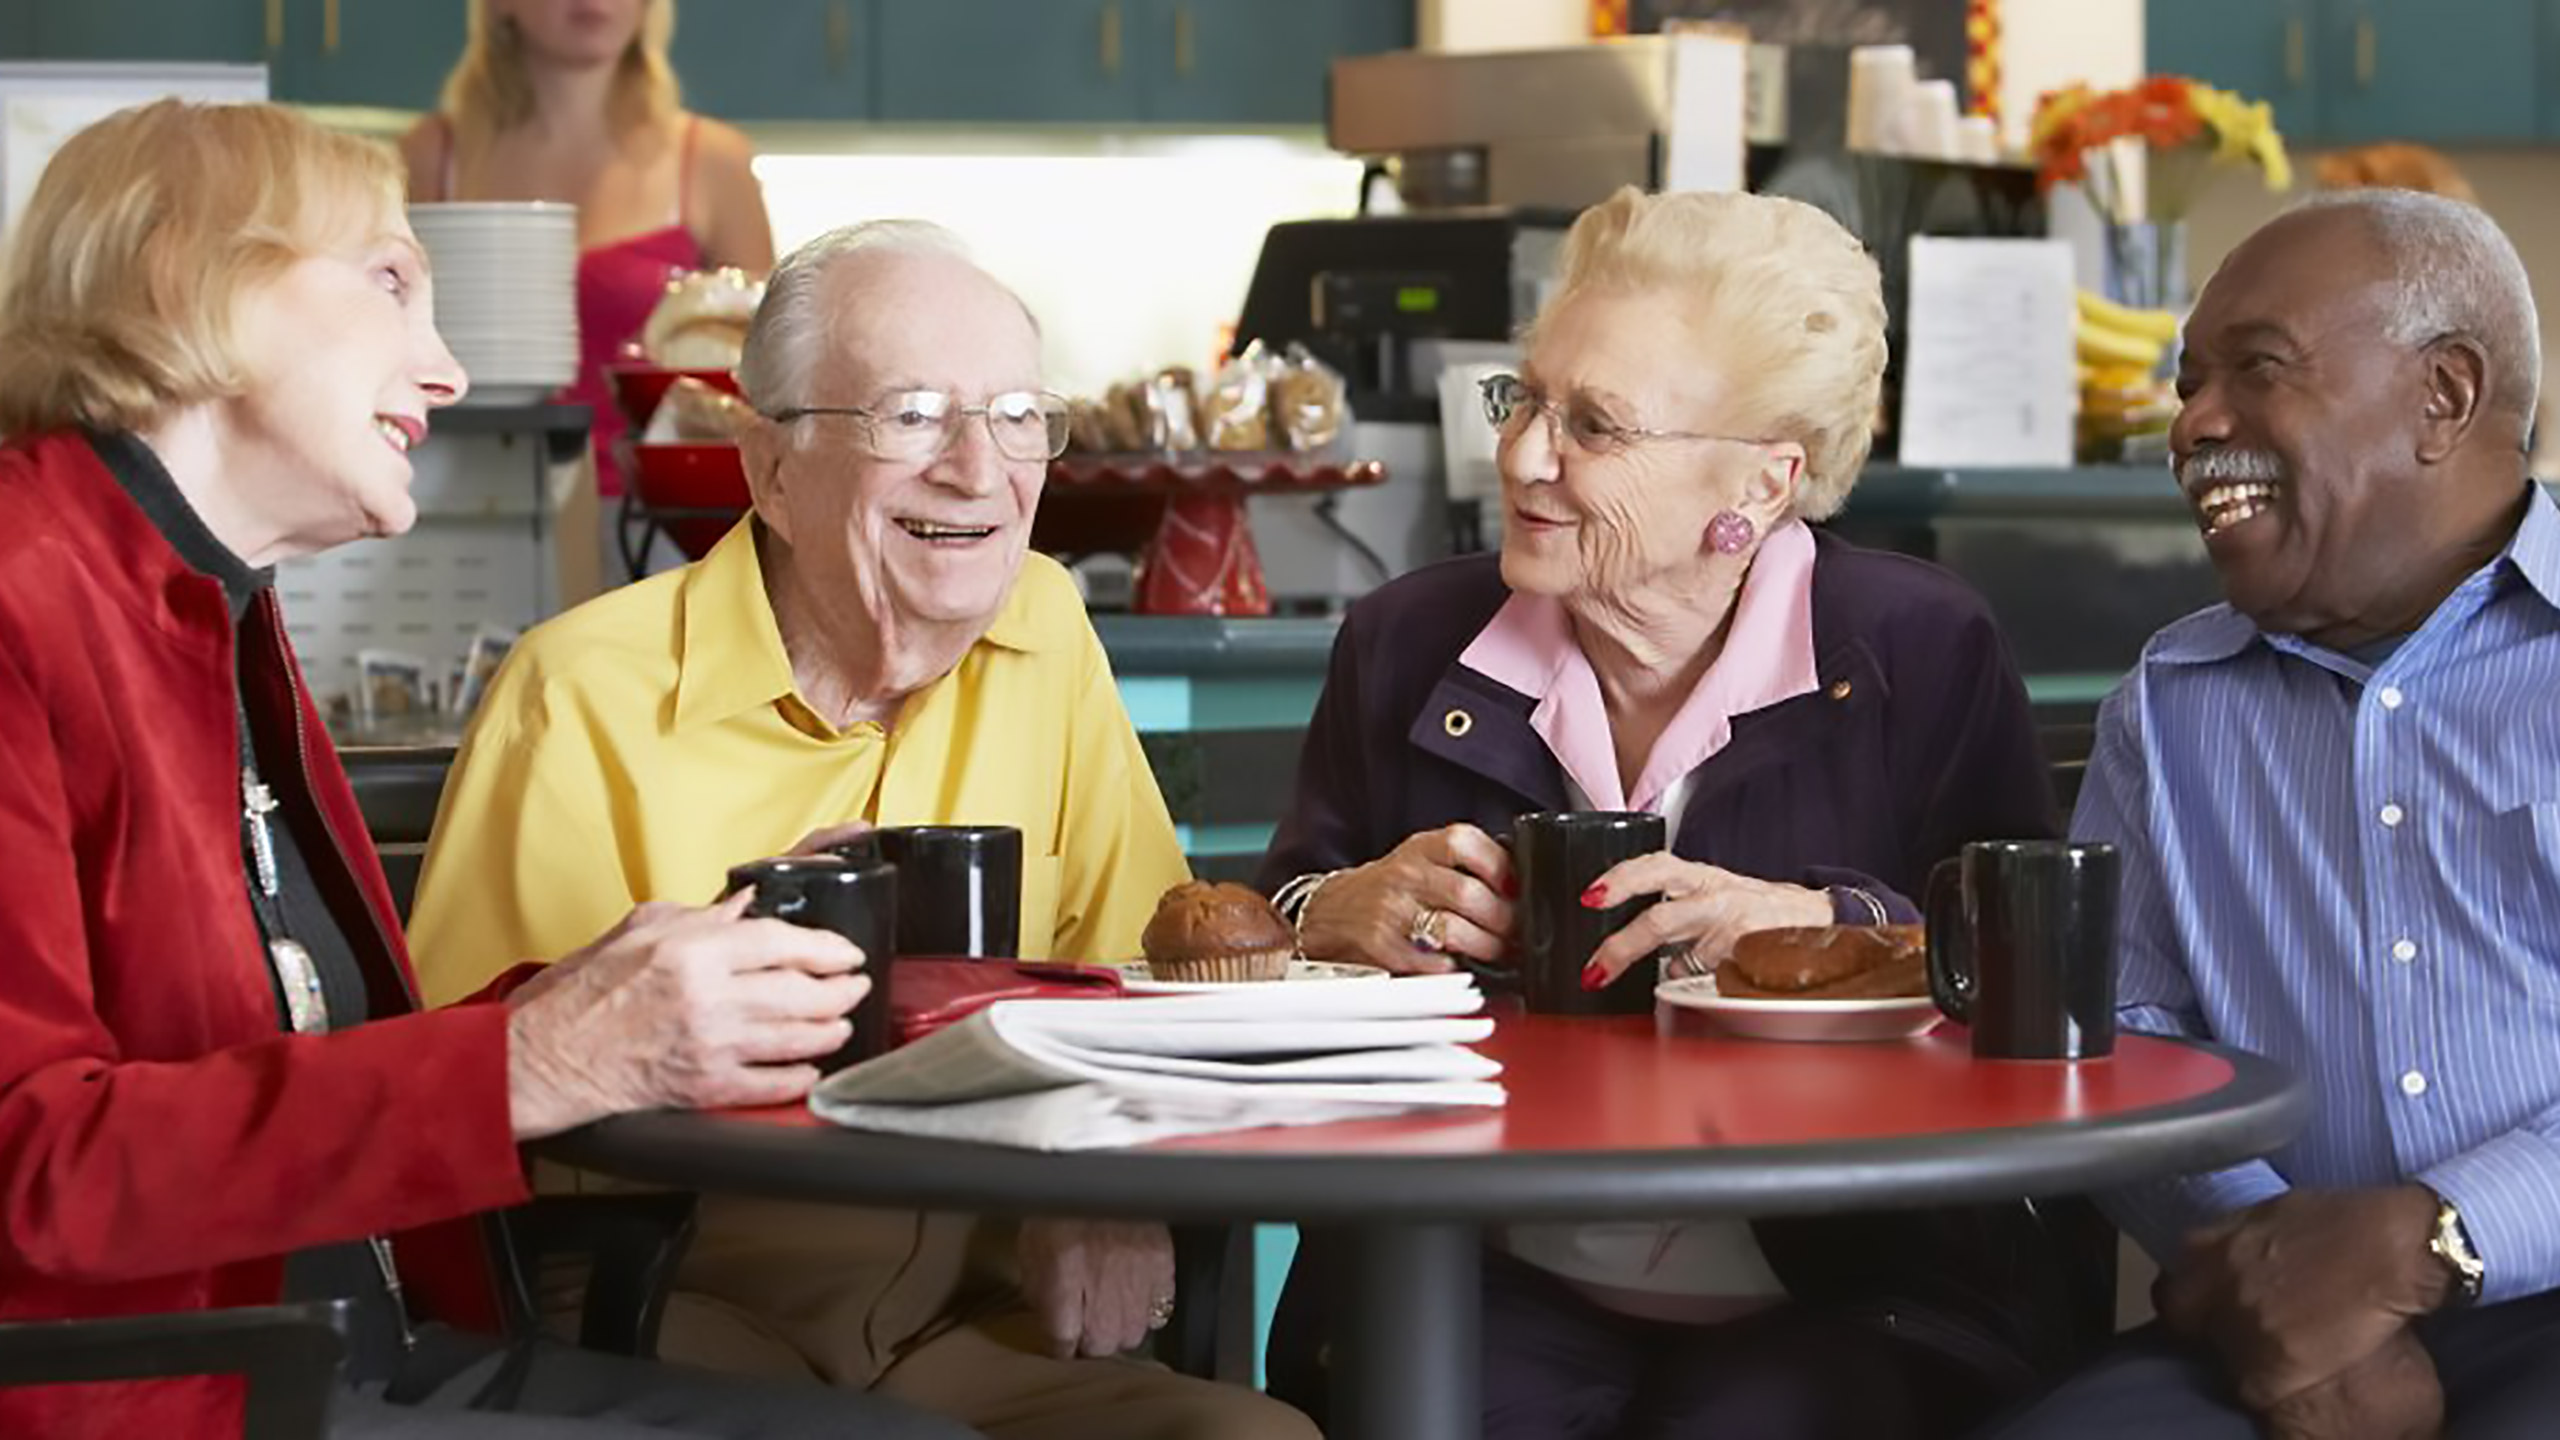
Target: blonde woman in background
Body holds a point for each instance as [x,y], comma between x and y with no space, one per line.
[573,100]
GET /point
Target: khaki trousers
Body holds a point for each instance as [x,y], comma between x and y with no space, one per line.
[923,1309]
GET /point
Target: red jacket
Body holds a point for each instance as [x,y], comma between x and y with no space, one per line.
[162,1145]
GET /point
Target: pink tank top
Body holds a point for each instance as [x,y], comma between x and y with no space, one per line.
[618,285]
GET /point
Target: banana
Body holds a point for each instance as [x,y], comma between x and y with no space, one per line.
[2115,377]
[2105,314]
[2101,347]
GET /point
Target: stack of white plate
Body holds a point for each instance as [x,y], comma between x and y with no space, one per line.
[506,283]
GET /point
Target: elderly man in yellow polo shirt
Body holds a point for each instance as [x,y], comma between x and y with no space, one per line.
[874,643]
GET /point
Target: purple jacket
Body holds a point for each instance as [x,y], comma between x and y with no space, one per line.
[1917,740]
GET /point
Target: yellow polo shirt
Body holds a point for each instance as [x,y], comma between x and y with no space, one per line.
[638,746]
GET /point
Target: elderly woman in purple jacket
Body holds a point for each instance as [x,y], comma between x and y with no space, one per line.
[1817,724]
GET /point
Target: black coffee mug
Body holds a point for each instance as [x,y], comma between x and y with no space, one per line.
[1556,855]
[2022,947]
[959,887]
[858,902]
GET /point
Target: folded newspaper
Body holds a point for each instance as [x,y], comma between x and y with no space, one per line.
[1086,1074]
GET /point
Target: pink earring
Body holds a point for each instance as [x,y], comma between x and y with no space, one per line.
[1730,532]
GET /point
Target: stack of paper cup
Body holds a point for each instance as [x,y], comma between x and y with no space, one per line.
[1929,121]
[1978,140]
[1880,82]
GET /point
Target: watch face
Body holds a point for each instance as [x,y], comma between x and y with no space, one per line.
[2453,1247]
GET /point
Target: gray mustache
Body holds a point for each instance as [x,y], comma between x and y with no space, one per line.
[2232,467]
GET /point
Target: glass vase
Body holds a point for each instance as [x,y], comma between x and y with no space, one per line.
[2146,265]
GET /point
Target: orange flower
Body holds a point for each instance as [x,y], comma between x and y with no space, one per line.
[2074,128]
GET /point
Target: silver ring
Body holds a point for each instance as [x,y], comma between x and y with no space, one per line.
[1688,963]
[1429,930]
[1160,1314]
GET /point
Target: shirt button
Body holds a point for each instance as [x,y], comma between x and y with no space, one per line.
[2413,1084]
[2404,951]
[2390,697]
[2393,815]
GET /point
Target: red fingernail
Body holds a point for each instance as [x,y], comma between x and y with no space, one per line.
[1594,977]
[1596,898]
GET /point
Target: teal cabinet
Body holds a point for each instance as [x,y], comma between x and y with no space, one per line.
[2549,50]
[1244,62]
[778,59]
[1178,62]
[955,62]
[17,30]
[2259,48]
[1008,61]
[2447,72]
[388,53]
[243,32]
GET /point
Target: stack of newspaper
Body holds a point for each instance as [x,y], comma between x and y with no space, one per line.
[1084,1074]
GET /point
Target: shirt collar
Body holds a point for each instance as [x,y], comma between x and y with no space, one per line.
[156,492]
[1768,657]
[733,661]
[2222,632]
[2535,552]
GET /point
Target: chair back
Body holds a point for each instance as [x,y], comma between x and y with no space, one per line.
[289,1354]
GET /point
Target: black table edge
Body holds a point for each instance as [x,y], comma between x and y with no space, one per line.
[2252,1114]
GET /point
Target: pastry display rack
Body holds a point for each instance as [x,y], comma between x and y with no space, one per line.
[1183,516]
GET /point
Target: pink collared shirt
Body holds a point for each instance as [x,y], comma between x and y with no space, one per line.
[1703,1272]
[1767,658]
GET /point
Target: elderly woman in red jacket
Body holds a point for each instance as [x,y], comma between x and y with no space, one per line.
[217,349]
[1817,724]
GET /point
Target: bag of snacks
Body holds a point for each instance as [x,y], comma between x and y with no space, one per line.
[1306,401]
[1170,393]
[1236,413]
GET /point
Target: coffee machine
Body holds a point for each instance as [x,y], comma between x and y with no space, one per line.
[1391,302]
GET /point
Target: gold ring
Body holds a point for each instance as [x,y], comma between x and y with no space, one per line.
[1161,1314]
[1429,930]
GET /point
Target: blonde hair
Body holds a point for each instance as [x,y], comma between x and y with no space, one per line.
[487,92]
[140,241]
[1787,307]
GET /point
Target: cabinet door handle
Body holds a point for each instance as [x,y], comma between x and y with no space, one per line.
[1111,38]
[1182,40]
[275,26]
[839,36]
[2364,50]
[2297,59]
[329,28]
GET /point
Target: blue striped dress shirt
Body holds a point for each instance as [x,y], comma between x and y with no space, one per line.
[2354,870]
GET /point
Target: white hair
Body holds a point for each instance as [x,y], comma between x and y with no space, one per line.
[2454,272]
[793,330]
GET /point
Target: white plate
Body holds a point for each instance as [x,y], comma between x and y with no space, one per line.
[1135,980]
[1899,1018]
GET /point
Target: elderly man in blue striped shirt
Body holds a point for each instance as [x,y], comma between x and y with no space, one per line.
[2338,801]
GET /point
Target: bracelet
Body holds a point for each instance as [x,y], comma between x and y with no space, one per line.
[1293,899]
[1876,913]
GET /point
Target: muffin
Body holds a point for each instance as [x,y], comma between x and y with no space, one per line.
[1216,934]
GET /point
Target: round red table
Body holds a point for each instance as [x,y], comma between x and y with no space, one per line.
[1607,1119]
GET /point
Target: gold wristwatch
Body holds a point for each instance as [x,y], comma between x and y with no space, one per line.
[2451,1245]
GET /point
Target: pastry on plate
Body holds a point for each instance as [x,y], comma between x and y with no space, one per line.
[1827,962]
